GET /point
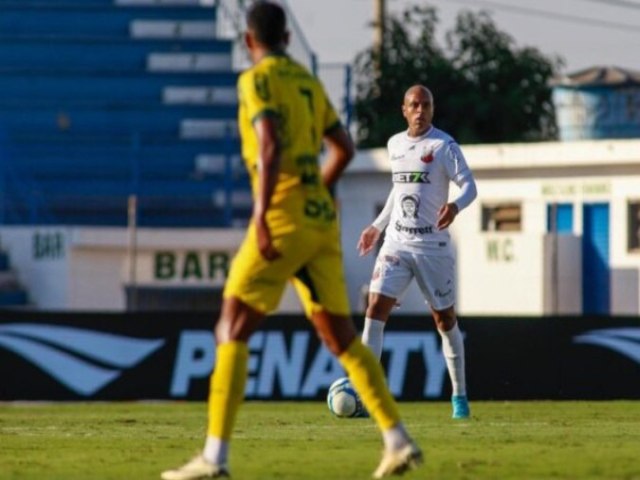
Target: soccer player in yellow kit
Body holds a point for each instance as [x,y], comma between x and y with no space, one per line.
[284,119]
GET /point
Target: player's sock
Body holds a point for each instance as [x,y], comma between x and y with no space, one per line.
[227,388]
[367,377]
[373,335]
[216,450]
[453,351]
[395,437]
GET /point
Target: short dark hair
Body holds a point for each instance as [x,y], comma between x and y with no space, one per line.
[268,23]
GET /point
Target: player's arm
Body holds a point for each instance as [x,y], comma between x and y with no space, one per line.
[468,193]
[339,152]
[268,168]
[459,172]
[370,235]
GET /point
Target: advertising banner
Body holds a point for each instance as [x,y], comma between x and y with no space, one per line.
[94,356]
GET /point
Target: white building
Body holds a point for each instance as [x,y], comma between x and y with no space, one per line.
[508,262]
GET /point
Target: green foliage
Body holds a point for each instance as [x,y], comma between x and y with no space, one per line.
[302,441]
[486,89]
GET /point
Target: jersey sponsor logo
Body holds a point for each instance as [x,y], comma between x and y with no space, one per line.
[397,157]
[625,341]
[411,177]
[410,205]
[414,230]
[82,360]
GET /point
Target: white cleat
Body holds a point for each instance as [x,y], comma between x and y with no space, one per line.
[396,462]
[196,469]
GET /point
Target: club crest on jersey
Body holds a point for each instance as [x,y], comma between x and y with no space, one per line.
[427,155]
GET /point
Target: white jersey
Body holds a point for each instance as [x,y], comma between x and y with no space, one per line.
[422,168]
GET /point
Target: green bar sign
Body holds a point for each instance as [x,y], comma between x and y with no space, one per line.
[190,265]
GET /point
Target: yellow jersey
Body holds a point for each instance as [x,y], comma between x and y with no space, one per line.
[280,87]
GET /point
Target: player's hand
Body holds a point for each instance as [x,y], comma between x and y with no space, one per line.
[368,240]
[265,243]
[446,215]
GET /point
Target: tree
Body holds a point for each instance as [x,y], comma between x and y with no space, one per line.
[486,89]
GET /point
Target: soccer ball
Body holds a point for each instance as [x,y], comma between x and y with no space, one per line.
[342,399]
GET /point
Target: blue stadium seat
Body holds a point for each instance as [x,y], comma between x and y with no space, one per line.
[90,18]
[99,100]
[109,119]
[105,53]
[100,86]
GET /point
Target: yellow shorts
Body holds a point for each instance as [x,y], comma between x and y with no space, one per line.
[311,259]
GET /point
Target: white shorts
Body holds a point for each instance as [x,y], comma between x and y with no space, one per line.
[435,274]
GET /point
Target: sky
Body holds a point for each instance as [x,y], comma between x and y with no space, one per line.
[585,33]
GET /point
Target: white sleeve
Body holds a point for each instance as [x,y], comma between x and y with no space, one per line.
[383,218]
[468,190]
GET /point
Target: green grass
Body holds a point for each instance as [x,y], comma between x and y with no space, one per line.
[299,441]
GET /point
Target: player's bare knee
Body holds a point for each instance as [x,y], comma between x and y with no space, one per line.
[335,331]
[379,307]
[445,319]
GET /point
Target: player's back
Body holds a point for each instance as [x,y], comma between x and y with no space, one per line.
[280,87]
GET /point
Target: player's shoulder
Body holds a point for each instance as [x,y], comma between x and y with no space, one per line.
[441,136]
[396,140]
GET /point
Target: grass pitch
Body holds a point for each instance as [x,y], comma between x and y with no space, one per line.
[300,441]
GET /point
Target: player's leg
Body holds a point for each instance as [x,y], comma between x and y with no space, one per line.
[237,322]
[376,317]
[390,278]
[454,354]
[435,275]
[322,290]
[338,333]
[244,308]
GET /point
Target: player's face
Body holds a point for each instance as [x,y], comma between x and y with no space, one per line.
[409,207]
[417,109]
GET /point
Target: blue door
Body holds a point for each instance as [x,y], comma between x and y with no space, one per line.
[595,259]
[563,217]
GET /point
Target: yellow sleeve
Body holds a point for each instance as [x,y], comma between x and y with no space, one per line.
[256,94]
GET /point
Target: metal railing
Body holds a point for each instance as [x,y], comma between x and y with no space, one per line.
[230,24]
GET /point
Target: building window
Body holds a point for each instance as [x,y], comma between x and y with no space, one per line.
[633,232]
[502,217]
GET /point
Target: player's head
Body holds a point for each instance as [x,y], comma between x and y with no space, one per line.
[417,109]
[266,27]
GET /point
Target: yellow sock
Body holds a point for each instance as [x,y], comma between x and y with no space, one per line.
[367,377]
[226,390]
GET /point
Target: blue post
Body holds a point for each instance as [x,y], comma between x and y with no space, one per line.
[348,102]
[135,170]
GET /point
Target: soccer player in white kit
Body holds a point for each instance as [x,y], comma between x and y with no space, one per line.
[424,161]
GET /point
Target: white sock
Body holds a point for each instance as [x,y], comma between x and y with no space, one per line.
[216,450]
[396,437]
[373,335]
[453,351]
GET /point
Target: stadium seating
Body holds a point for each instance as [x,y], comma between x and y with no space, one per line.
[12,292]
[103,99]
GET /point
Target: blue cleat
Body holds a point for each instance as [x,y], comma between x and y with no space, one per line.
[460,406]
